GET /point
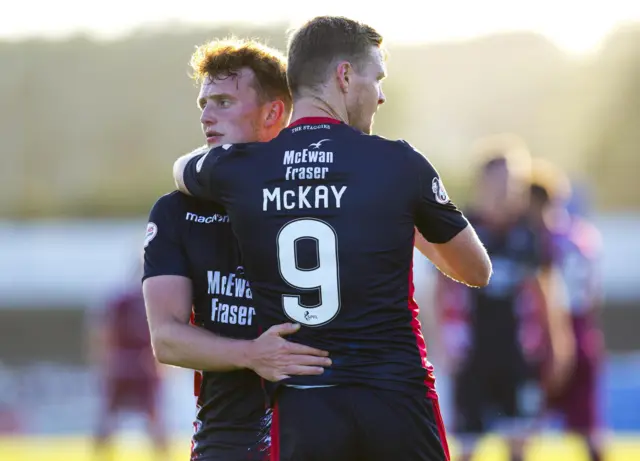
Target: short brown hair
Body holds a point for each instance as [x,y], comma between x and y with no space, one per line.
[224,58]
[319,42]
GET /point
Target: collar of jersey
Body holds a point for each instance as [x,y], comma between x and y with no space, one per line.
[314,121]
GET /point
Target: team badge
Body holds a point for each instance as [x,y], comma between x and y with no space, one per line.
[152,231]
[439,191]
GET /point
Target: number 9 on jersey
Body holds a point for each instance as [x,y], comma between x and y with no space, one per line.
[324,277]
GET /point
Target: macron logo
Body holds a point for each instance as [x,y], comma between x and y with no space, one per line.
[207,219]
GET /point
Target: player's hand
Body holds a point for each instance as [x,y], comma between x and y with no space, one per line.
[274,358]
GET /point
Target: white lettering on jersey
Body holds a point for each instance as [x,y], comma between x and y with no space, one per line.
[231,314]
[206,219]
[307,156]
[323,126]
[312,155]
[228,285]
[309,172]
[312,197]
[227,311]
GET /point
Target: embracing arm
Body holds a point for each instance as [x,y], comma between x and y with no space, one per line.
[177,342]
[180,166]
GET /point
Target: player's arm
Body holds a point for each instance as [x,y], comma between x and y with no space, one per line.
[180,166]
[450,242]
[177,342]
[554,311]
[167,290]
[430,252]
[195,173]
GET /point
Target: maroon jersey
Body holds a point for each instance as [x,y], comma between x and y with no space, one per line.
[129,355]
[577,250]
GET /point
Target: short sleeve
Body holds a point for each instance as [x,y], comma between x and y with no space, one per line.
[435,216]
[163,250]
[202,171]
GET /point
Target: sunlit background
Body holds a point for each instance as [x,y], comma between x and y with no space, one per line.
[96,103]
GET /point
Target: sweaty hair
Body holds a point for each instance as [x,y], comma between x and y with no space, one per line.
[225,58]
[320,42]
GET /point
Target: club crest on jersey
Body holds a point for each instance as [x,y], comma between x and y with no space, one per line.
[439,191]
[152,231]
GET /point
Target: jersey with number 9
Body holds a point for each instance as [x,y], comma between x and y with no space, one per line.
[325,218]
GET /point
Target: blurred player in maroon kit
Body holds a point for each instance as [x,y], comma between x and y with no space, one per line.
[494,346]
[576,246]
[129,374]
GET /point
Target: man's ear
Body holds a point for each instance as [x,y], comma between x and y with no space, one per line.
[344,73]
[274,113]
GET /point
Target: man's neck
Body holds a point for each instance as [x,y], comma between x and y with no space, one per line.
[268,135]
[313,107]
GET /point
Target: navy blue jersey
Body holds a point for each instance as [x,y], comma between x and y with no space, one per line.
[193,238]
[325,216]
[517,253]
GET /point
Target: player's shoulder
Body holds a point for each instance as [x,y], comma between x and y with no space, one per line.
[399,151]
[233,151]
[169,205]
[395,145]
[178,202]
[407,147]
[227,159]
[171,200]
[401,148]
